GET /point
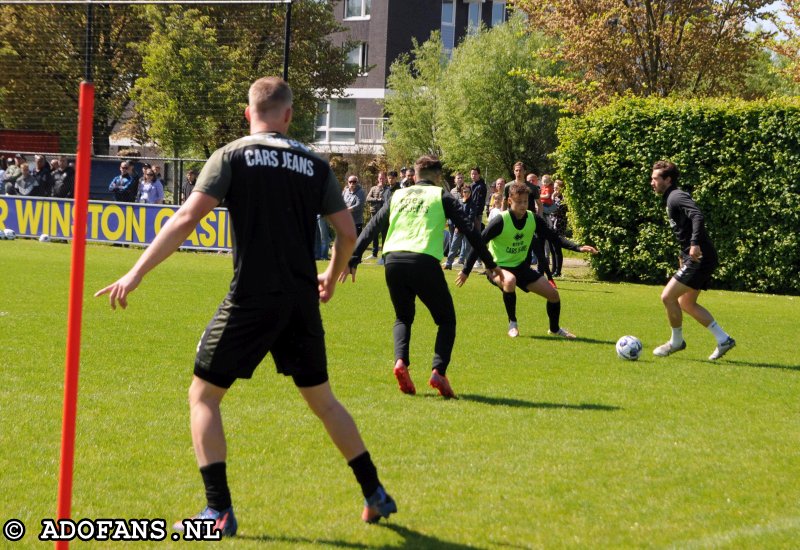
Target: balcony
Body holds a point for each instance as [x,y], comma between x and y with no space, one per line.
[370,130]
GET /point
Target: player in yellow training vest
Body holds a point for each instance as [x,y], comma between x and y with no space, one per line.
[510,236]
[413,250]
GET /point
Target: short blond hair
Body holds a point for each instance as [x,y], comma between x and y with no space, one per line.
[269,94]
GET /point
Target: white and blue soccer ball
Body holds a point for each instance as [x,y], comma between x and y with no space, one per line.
[629,348]
[44,238]
[9,234]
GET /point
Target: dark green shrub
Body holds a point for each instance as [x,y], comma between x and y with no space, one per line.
[739,160]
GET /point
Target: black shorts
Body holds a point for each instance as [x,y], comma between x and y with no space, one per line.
[523,273]
[695,274]
[239,337]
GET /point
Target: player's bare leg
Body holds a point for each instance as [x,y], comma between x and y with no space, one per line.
[343,432]
[672,297]
[688,303]
[338,422]
[208,436]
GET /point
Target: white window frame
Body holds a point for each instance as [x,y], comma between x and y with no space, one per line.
[328,130]
[363,58]
[366,8]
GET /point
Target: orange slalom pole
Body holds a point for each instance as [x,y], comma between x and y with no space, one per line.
[74,315]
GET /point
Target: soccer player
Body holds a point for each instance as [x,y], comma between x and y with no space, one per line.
[510,237]
[273,302]
[413,248]
[698,259]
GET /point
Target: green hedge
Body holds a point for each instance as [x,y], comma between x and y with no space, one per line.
[739,160]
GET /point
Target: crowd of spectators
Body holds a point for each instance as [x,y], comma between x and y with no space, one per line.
[41,178]
[479,203]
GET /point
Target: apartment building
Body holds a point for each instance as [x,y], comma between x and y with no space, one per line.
[384,29]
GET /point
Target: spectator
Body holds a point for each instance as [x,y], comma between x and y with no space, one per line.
[121,185]
[53,164]
[536,190]
[558,222]
[11,176]
[375,198]
[188,185]
[353,196]
[458,185]
[157,174]
[392,183]
[322,240]
[496,200]
[458,242]
[546,195]
[44,176]
[408,181]
[150,191]
[63,179]
[26,184]
[478,198]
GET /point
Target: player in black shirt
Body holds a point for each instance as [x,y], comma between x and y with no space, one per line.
[274,188]
[698,259]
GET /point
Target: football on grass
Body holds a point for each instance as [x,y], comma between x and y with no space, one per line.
[629,348]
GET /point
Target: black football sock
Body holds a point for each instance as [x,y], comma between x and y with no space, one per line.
[216,481]
[510,301]
[366,473]
[554,314]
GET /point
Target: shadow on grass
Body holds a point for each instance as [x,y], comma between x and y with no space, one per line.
[578,339]
[508,402]
[573,289]
[795,368]
[414,540]
[300,540]
[411,540]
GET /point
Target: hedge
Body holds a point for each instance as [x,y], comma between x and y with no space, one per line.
[739,160]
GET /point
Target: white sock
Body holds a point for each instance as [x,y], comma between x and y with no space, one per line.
[718,333]
[677,337]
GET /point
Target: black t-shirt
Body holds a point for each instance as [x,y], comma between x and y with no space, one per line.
[687,222]
[273,187]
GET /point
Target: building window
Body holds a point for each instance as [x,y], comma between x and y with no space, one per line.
[358,57]
[474,18]
[336,121]
[357,9]
[498,13]
[448,25]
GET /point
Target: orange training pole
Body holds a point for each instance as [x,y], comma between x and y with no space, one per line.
[74,316]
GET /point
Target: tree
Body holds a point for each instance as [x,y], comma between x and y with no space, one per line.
[197,70]
[42,63]
[787,41]
[411,103]
[484,112]
[644,47]
[188,83]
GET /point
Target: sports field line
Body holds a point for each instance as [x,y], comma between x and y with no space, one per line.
[727,537]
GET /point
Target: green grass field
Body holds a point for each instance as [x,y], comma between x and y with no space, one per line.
[552,444]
